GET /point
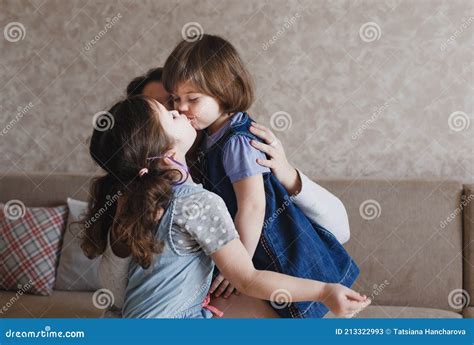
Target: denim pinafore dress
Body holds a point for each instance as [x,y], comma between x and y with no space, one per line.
[290,243]
[176,284]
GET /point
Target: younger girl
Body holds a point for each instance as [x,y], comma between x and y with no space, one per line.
[172,229]
[210,85]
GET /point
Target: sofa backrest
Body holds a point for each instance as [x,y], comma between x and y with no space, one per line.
[408,252]
[468,240]
[42,189]
[406,236]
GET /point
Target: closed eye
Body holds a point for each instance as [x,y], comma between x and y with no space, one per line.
[174,114]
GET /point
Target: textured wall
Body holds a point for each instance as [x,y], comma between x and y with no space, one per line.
[358,88]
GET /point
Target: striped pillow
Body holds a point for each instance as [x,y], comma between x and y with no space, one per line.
[30,242]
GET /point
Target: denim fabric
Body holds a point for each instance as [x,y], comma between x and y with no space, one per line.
[290,243]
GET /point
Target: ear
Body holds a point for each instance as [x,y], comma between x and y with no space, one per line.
[159,213]
[166,160]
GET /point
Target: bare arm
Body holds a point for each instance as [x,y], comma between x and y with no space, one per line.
[234,262]
[250,195]
[261,284]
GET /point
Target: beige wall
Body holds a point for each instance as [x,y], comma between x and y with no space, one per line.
[394,100]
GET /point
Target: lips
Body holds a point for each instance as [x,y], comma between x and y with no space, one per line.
[192,120]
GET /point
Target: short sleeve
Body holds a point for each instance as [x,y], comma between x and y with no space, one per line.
[206,219]
[240,159]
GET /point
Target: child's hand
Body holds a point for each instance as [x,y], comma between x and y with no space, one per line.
[222,284]
[272,147]
[342,301]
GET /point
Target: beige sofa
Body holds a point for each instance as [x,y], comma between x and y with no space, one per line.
[410,264]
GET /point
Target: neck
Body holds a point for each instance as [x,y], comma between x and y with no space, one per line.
[180,157]
[219,123]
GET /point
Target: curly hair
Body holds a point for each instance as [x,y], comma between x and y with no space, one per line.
[121,201]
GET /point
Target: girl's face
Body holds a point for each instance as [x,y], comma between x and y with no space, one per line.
[176,126]
[201,109]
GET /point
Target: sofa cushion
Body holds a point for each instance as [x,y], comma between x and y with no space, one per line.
[29,246]
[247,307]
[468,313]
[76,272]
[243,306]
[58,305]
[69,304]
[385,311]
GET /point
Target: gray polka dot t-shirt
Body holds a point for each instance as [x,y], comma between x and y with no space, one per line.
[201,221]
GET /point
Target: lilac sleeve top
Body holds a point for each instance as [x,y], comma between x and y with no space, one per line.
[240,159]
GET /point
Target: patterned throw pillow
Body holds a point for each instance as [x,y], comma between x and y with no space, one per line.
[30,241]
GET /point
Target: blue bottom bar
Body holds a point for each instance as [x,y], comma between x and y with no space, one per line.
[237,331]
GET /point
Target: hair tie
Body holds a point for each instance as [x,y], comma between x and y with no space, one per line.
[143,172]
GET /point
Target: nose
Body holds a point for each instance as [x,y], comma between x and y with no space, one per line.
[181,107]
[175,113]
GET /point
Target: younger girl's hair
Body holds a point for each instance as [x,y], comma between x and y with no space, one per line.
[213,65]
[122,201]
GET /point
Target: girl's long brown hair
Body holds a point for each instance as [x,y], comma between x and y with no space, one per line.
[132,135]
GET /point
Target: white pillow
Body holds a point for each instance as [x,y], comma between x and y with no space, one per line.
[76,271]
